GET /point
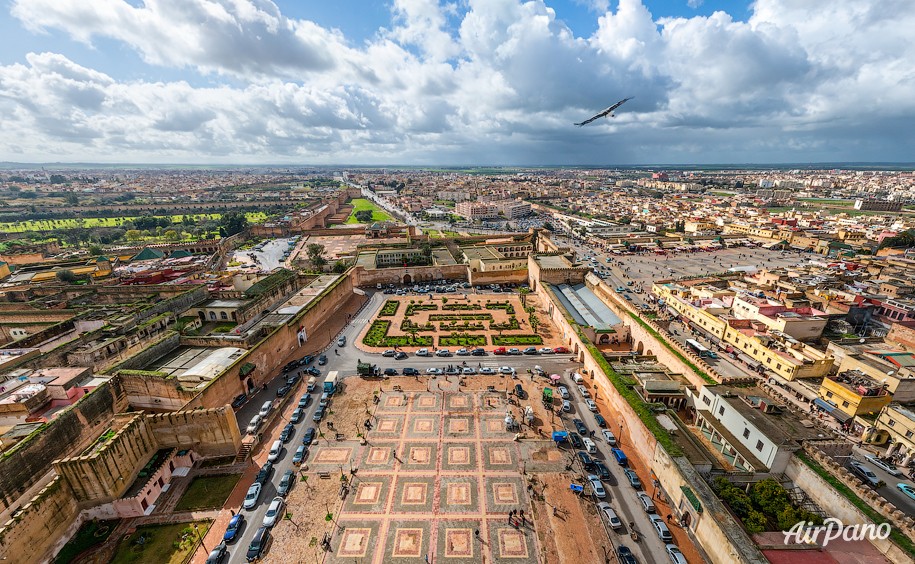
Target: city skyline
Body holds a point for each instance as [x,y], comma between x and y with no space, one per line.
[424,83]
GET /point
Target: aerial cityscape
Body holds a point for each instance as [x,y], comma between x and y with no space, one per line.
[581,281]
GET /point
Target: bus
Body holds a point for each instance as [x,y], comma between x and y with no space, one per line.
[700,350]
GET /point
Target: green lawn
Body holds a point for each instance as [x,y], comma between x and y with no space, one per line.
[207,492]
[160,544]
[88,535]
[360,204]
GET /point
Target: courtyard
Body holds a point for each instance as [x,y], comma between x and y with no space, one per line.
[435,475]
[459,321]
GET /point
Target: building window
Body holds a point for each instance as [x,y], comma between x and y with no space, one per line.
[721,410]
[844,404]
[759,445]
[829,394]
[223,316]
[746,433]
[908,434]
[706,400]
[891,423]
[778,366]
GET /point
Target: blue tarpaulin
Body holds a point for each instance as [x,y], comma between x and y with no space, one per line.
[560,436]
[576,488]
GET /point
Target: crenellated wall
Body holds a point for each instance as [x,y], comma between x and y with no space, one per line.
[209,432]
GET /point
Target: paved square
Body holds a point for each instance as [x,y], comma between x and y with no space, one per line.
[424,426]
[459,495]
[459,543]
[458,426]
[456,542]
[419,456]
[329,455]
[368,493]
[413,494]
[500,457]
[354,543]
[426,402]
[407,543]
[460,402]
[511,543]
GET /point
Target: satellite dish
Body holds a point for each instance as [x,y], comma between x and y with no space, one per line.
[862,340]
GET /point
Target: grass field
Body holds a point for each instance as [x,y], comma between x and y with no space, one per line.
[207,492]
[89,222]
[360,204]
[160,544]
[89,535]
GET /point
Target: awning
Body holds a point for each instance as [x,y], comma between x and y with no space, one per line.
[246,369]
[824,405]
[554,377]
[691,497]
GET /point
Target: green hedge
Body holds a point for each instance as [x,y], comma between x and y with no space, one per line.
[902,541]
[406,325]
[413,308]
[377,336]
[461,307]
[390,308]
[511,325]
[508,340]
[640,407]
[509,309]
[460,317]
[462,340]
[462,326]
[708,379]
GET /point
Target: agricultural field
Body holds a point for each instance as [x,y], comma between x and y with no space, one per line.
[90,222]
[361,204]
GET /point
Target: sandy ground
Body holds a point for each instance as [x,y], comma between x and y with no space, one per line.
[550,335]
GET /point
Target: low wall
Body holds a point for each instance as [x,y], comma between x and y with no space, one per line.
[371,277]
[518,276]
[168,342]
[208,432]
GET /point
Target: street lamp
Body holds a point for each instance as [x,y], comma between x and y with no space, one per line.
[199,536]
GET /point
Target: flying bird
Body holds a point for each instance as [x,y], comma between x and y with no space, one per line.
[605,113]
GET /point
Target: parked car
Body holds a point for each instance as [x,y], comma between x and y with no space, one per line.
[341,342]
[478,352]
[519,392]
[389,353]
[254,425]
[263,475]
[675,555]
[487,370]
[563,392]
[575,439]
[433,370]
[442,352]
[274,511]
[254,493]
[624,553]
[286,482]
[586,460]
[304,401]
[410,371]
[591,405]
[599,419]
[239,400]
[283,390]
[506,369]
[309,436]
[567,406]
[601,470]
[646,502]
[423,352]
[660,528]
[883,465]
[609,437]
[400,355]
[633,479]
[866,474]
[390,372]
[561,350]
[584,392]
[322,360]
[287,432]
[514,352]
[293,379]
[906,489]
[545,350]
[530,350]
[462,352]
[499,350]
[597,488]
[297,415]
[258,545]
[313,371]
[217,554]
[235,525]
[580,426]
[468,370]
[319,414]
[610,515]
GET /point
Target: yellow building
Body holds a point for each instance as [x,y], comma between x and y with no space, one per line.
[897,423]
[854,393]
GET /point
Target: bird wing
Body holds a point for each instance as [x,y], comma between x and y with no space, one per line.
[617,105]
[590,119]
[605,112]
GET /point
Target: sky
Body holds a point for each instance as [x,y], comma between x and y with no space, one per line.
[457,82]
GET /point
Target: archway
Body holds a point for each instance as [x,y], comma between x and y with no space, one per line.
[649,353]
[407,279]
[249,384]
[203,316]
[603,339]
[639,347]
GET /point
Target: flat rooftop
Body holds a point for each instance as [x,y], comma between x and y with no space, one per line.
[553,261]
[227,304]
[780,428]
[197,364]
[586,308]
[307,294]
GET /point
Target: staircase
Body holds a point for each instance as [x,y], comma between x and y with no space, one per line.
[244,452]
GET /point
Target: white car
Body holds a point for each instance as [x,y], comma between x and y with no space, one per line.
[487,370]
[591,405]
[546,350]
[563,392]
[423,352]
[462,352]
[274,511]
[506,369]
[433,370]
[646,502]
[584,392]
[254,493]
[610,514]
[675,555]
[468,370]
[608,436]
[885,466]
[597,487]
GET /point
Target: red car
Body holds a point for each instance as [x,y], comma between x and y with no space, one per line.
[561,350]
[499,350]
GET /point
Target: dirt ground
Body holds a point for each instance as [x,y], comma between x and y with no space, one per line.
[546,330]
[309,502]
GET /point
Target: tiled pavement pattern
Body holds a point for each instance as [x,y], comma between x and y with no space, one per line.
[437,479]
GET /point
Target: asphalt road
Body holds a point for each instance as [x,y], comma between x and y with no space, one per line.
[892,494]
[620,494]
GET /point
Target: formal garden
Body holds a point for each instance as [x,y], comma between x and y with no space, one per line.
[457,321]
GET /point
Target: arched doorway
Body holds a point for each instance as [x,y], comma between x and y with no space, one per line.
[249,385]
[407,279]
[603,339]
[203,316]
[639,348]
[649,353]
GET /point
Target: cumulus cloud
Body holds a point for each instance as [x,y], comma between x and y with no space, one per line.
[495,81]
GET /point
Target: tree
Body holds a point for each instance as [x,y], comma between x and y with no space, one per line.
[95,250]
[315,254]
[66,276]
[232,223]
[171,235]
[426,248]
[364,216]
[340,267]
[133,235]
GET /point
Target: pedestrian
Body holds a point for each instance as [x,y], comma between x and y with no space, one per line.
[232,511]
[476,533]
[511,515]
[669,515]
[523,521]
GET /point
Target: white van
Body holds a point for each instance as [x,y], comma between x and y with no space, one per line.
[589,445]
[576,377]
[275,450]
[265,409]
[254,425]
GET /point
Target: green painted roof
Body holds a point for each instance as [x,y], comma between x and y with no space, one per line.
[147,254]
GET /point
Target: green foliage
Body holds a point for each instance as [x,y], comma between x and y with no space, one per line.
[767,506]
[408,326]
[66,276]
[460,317]
[413,308]
[508,307]
[377,336]
[363,216]
[315,254]
[510,325]
[508,340]
[389,308]
[462,340]
[460,307]
[232,223]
